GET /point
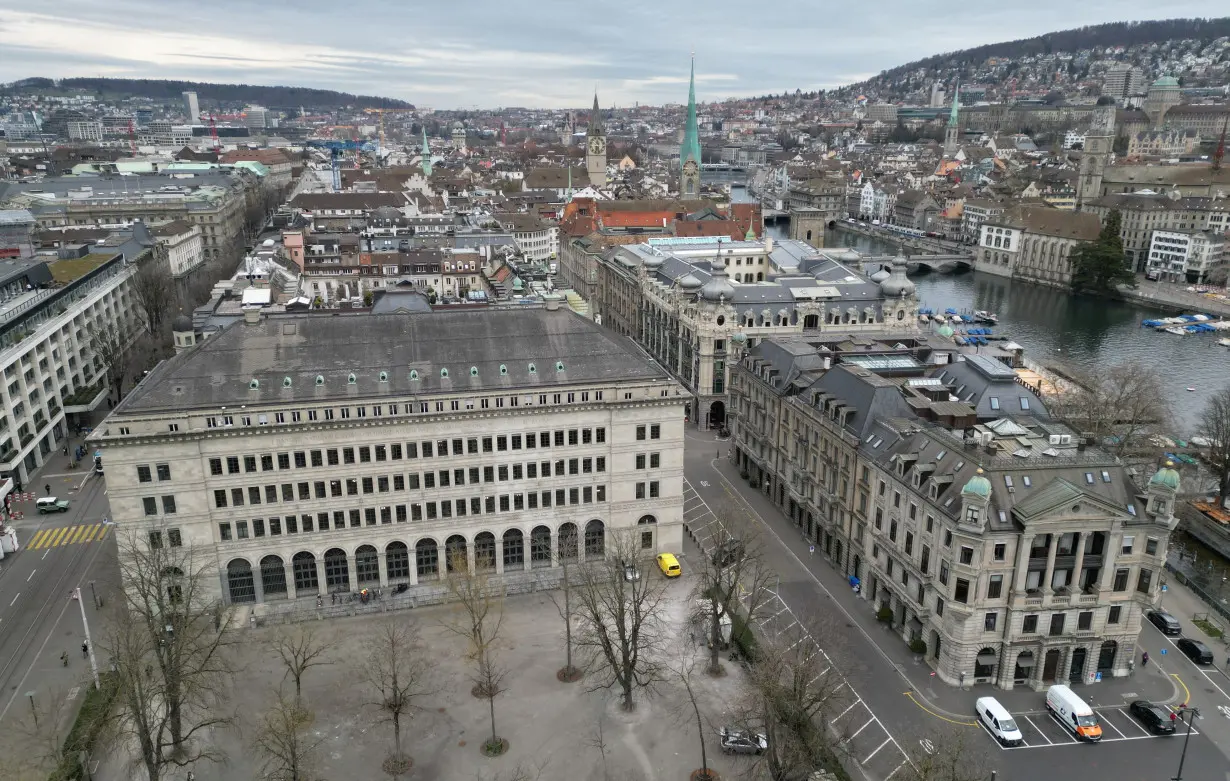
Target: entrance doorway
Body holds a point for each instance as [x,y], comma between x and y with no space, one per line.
[717,415]
[1050,666]
[1077,673]
[1106,656]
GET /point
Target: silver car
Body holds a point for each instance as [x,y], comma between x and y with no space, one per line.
[740,741]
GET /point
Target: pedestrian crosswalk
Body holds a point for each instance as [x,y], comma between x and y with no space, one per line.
[68,535]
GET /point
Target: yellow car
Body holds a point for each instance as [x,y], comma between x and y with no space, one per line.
[669,565]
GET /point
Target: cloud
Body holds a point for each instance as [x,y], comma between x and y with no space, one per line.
[551,53]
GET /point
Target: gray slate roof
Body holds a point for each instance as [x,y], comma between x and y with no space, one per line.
[218,372]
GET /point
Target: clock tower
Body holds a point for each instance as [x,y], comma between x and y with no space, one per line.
[689,152]
[595,147]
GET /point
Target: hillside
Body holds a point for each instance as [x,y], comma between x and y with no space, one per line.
[209,94]
[1155,46]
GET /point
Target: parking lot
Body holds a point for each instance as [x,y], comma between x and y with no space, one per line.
[1042,730]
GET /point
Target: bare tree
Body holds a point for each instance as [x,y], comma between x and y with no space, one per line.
[948,755]
[478,617]
[1214,426]
[731,578]
[154,290]
[40,732]
[685,671]
[112,348]
[621,631]
[793,691]
[1122,406]
[399,669]
[300,649]
[290,751]
[569,673]
[169,643]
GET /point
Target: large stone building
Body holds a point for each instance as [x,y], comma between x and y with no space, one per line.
[1144,211]
[1012,550]
[1033,243]
[689,302]
[335,453]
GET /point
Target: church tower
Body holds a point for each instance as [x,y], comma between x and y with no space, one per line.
[689,153]
[1099,142]
[426,164]
[952,133]
[595,147]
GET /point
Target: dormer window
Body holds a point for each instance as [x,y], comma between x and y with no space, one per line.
[503,370]
[473,371]
[254,384]
[444,374]
[384,376]
[971,515]
[320,380]
[286,382]
[559,366]
[351,379]
[414,375]
[533,369]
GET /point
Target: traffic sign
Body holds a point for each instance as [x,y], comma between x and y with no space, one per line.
[1164,588]
[1163,652]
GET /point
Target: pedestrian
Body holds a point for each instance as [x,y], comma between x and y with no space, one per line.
[320,601]
[85,649]
[811,548]
[47,488]
[66,450]
[1144,659]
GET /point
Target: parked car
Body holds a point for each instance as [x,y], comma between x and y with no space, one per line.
[1168,624]
[631,573]
[740,741]
[1159,720]
[728,553]
[1197,651]
[50,504]
[669,565]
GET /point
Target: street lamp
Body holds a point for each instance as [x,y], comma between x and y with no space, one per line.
[1192,714]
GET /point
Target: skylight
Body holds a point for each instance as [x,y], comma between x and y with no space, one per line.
[1131,509]
[994,402]
[1105,476]
[1026,481]
[1025,402]
[1089,478]
[1008,480]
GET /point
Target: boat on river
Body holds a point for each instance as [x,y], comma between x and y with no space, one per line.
[1224,342]
[986,318]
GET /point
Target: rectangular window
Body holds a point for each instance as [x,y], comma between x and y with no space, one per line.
[215,467]
[237,497]
[989,621]
[1121,580]
[1151,546]
[1145,581]
[640,433]
[151,505]
[426,448]
[168,505]
[653,489]
[224,531]
[967,554]
[640,490]
[249,463]
[994,586]
[944,573]
[504,503]
[258,528]
[655,431]
[961,593]
[1030,624]
[1084,621]
[254,495]
[1113,616]
[145,476]
[1128,542]
[1057,620]
[1001,550]
[232,465]
[574,496]
[300,459]
[241,529]
[640,460]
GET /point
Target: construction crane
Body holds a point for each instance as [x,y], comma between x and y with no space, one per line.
[336,148]
[381,112]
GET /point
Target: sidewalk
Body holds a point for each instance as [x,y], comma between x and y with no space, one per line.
[957,704]
[1182,603]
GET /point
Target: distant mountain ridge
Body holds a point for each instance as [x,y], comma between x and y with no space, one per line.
[1095,38]
[209,93]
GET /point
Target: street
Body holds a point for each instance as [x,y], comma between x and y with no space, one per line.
[39,620]
[905,709]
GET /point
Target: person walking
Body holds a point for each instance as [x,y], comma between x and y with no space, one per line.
[1144,659]
[85,649]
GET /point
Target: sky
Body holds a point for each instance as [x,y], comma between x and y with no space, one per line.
[468,54]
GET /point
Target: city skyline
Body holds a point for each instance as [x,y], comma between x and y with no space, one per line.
[448,60]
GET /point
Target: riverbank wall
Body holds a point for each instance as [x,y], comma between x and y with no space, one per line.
[1171,298]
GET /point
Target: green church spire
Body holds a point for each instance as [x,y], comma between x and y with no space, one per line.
[691,136]
[426,165]
[956,97]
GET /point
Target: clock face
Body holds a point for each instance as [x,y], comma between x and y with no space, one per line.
[596,145]
[689,167]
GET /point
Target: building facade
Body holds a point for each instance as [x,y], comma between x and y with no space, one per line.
[500,440]
[1033,243]
[1185,255]
[997,542]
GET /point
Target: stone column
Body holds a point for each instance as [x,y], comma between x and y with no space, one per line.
[1081,538]
[257,586]
[1022,562]
[1050,563]
[382,565]
[499,555]
[288,570]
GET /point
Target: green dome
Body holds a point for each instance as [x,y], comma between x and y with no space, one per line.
[739,337]
[1166,81]
[945,331]
[1166,476]
[978,486]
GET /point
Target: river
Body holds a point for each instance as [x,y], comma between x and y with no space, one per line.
[1056,327]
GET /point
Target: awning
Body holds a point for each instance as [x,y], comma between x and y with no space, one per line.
[1025,662]
[987,657]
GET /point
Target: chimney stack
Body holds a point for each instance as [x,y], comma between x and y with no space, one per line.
[252,315]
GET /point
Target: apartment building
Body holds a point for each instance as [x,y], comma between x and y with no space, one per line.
[536,238]
[997,542]
[1142,213]
[343,452]
[49,368]
[1033,243]
[185,249]
[1185,255]
[975,212]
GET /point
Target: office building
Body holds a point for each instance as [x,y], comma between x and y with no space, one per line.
[192,107]
[344,452]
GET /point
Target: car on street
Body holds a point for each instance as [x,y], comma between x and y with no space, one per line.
[1166,623]
[631,573]
[741,741]
[1195,650]
[728,553]
[1159,720]
[50,504]
[669,565]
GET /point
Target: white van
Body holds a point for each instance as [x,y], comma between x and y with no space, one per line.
[998,721]
[1072,712]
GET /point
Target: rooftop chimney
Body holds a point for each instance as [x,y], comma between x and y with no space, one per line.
[552,302]
[768,244]
[252,315]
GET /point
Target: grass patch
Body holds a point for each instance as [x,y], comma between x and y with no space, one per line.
[86,729]
[1208,627]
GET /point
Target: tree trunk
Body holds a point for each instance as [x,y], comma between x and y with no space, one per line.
[567,623]
[175,717]
[715,637]
[397,734]
[628,705]
[491,704]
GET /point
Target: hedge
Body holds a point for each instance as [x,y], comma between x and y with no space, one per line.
[86,729]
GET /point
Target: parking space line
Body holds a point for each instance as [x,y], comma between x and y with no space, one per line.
[1039,731]
[877,751]
[1111,724]
[870,721]
[898,767]
[1209,678]
[1063,728]
[847,710]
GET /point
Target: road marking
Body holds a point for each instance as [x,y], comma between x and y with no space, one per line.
[30,575]
[15,599]
[870,721]
[73,692]
[1064,727]
[927,745]
[704,483]
[34,542]
[81,530]
[937,715]
[1215,686]
[60,535]
[1039,731]
[898,767]
[45,554]
[1134,721]
[1111,724]
[877,751]
[856,702]
[1187,695]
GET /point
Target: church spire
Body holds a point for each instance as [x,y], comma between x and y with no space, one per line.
[691,136]
[568,193]
[956,97]
[426,164]
[595,118]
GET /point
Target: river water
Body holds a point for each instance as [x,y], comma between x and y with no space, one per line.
[1058,328]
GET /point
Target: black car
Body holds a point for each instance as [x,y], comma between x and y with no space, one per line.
[1159,720]
[1197,651]
[728,553]
[1168,624]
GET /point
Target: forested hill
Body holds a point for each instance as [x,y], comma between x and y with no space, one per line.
[1093,38]
[208,94]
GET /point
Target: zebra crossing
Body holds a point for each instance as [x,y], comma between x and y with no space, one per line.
[68,535]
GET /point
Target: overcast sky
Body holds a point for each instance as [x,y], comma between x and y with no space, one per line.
[540,53]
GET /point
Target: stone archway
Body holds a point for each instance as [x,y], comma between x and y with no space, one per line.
[240,585]
[1024,668]
[984,663]
[1050,666]
[717,414]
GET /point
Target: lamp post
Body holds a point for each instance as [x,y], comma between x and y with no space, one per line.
[88,642]
[1192,714]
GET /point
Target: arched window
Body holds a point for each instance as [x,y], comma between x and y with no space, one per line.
[568,542]
[367,565]
[427,559]
[514,550]
[455,558]
[540,547]
[647,524]
[484,552]
[337,569]
[239,583]
[595,539]
[304,566]
[273,577]
[397,561]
